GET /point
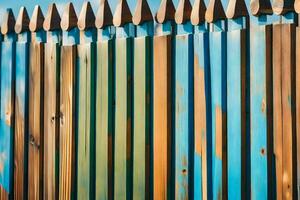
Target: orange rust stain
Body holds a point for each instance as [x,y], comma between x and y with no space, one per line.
[2,160]
[263,106]
[218,132]
[8,113]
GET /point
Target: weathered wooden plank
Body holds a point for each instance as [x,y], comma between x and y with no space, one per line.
[35,151]
[86,120]
[6,114]
[162,118]
[67,123]
[202,115]
[85,88]
[261,110]
[123,119]
[217,48]
[236,108]
[104,120]
[21,117]
[283,108]
[183,116]
[142,114]
[21,106]
[51,119]
[67,133]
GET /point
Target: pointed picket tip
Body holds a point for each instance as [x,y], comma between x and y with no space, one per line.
[69,18]
[198,12]
[297,6]
[22,23]
[260,7]
[142,13]
[280,7]
[86,17]
[236,8]
[214,11]
[8,23]
[122,14]
[166,11]
[52,20]
[37,19]
[104,15]
[183,12]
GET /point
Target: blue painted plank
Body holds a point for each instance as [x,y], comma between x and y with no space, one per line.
[202,105]
[260,75]
[217,49]
[236,107]
[6,112]
[184,71]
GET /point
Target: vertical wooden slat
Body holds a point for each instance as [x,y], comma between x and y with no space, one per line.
[67,153]
[123,102]
[297,88]
[183,101]
[142,72]
[85,112]
[104,104]
[261,109]
[7,89]
[202,184]
[283,108]
[21,106]
[217,48]
[236,102]
[51,103]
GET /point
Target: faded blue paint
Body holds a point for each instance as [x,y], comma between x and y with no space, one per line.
[234,106]
[70,37]
[184,81]
[6,111]
[259,123]
[217,49]
[201,43]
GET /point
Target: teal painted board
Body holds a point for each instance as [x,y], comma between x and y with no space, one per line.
[261,112]
[183,116]
[236,108]
[21,116]
[85,117]
[202,115]
[104,120]
[7,112]
[123,119]
[142,116]
[217,49]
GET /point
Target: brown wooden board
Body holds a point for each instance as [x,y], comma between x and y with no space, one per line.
[67,123]
[162,62]
[35,155]
[283,112]
[51,123]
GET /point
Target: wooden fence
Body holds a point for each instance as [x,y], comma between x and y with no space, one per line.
[204,103]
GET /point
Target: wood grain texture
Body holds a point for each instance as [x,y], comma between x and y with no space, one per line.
[51,120]
[162,118]
[21,121]
[283,109]
[104,120]
[6,114]
[202,118]
[67,123]
[261,111]
[123,119]
[85,86]
[142,117]
[36,136]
